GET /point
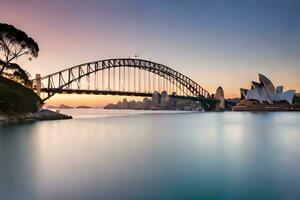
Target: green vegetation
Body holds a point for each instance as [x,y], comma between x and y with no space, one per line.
[296,100]
[15,43]
[15,98]
[16,73]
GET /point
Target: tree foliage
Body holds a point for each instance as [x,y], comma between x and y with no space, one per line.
[15,43]
[20,74]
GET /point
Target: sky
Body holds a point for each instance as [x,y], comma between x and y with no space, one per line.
[214,42]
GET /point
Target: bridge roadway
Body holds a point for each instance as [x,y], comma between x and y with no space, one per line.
[125,93]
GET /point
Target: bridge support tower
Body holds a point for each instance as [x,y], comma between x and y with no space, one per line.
[219,95]
[38,84]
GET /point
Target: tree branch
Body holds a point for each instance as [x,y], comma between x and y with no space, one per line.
[18,55]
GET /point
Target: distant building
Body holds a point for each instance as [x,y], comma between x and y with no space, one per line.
[173,101]
[264,91]
[146,101]
[124,103]
[156,98]
[164,98]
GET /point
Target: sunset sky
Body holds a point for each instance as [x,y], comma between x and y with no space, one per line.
[214,42]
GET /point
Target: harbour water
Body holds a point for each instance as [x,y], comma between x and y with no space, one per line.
[119,154]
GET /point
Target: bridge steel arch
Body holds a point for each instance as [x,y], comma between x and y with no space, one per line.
[62,81]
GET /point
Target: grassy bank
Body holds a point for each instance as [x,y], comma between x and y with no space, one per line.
[17,99]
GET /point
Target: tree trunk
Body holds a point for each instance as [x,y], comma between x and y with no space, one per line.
[4,66]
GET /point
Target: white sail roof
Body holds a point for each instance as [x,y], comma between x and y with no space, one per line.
[287,96]
[266,92]
[256,94]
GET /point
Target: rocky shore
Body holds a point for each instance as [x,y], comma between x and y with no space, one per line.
[41,115]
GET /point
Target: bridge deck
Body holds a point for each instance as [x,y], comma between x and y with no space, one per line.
[123,93]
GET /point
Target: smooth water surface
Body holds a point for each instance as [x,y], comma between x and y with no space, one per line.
[152,155]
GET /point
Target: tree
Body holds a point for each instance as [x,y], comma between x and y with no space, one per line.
[18,73]
[15,43]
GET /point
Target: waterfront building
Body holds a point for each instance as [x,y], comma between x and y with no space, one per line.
[173,101]
[146,101]
[265,92]
[156,98]
[164,98]
[124,103]
[263,96]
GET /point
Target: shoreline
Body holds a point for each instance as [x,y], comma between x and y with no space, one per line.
[268,108]
[41,115]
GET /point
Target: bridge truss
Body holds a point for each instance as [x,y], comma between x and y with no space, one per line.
[124,76]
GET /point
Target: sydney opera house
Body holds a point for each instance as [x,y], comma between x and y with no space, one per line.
[264,96]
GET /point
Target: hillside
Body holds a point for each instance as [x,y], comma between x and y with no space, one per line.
[15,98]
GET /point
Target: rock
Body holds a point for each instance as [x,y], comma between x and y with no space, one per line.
[41,115]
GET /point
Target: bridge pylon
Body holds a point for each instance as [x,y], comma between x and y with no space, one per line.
[38,82]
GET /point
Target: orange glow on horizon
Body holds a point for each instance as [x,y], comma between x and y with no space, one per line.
[88,100]
[98,100]
[102,100]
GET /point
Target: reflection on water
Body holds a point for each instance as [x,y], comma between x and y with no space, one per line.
[137,155]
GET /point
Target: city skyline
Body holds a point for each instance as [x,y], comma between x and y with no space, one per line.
[216,43]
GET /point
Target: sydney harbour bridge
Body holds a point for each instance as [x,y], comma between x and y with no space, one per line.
[122,76]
